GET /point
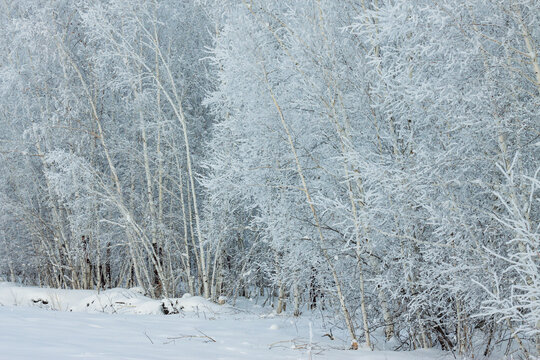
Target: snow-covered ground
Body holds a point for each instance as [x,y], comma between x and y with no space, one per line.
[55,324]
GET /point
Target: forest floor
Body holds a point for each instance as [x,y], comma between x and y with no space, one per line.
[38,323]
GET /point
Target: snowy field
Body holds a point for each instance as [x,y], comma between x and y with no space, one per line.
[122,324]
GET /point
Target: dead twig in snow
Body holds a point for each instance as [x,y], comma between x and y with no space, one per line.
[202,336]
[298,344]
[208,337]
[145,334]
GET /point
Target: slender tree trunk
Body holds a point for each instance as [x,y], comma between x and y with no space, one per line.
[296,300]
[191,282]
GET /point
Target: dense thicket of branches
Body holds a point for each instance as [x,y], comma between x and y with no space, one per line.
[379,159]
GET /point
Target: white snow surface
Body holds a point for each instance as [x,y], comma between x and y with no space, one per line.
[43,323]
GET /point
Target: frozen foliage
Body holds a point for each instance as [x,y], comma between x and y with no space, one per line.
[375,160]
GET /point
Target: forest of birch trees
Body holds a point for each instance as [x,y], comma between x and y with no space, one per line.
[377,160]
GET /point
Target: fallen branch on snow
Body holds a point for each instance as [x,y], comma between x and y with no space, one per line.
[202,336]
